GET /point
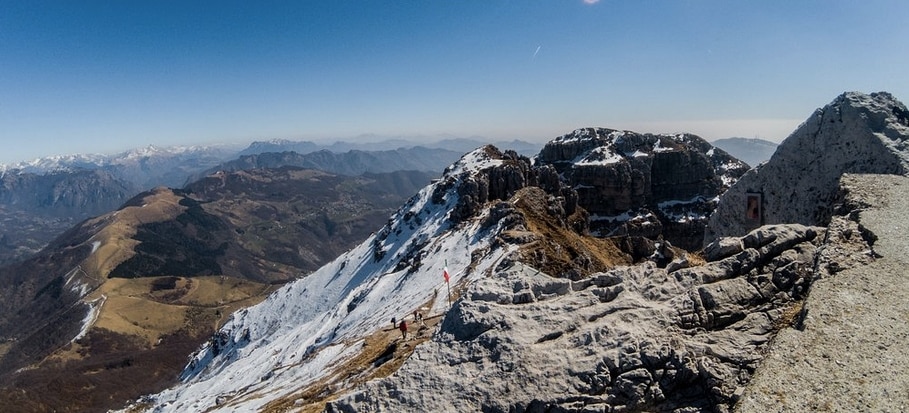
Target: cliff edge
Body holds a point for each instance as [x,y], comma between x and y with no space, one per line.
[851,351]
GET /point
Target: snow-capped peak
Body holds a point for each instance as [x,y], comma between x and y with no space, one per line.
[54,163]
[476,160]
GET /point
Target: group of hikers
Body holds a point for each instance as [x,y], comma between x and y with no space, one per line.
[417,317]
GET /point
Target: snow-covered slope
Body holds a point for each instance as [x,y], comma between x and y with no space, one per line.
[309,333]
[303,331]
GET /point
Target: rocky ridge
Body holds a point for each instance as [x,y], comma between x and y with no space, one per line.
[645,338]
[489,209]
[690,338]
[486,205]
[638,338]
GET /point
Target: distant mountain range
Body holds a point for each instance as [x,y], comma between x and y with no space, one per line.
[351,163]
[461,145]
[752,151]
[42,198]
[170,166]
[143,168]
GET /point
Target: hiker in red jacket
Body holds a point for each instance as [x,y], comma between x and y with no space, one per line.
[403,328]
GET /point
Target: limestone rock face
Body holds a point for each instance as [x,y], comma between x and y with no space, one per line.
[643,184]
[856,133]
[631,339]
[640,185]
[506,173]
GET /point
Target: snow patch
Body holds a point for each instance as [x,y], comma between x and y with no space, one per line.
[683,211]
[667,204]
[94,308]
[623,217]
[658,148]
[602,155]
[76,285]
[473,161]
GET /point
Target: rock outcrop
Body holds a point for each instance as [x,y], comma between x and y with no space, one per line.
[856,133]
[630,339]
[643,184]
[851,350]
[629,184]
[545,321]
[688,338]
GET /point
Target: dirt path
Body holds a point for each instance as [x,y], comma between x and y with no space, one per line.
[853,355]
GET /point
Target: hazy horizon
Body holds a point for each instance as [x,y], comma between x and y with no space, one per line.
[105,77]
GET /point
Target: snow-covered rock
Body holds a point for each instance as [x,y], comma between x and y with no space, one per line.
[305,330]
[687,337]
[643,184]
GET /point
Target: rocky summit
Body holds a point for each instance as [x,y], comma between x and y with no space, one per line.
[487,212]
[856,133]
[643,184]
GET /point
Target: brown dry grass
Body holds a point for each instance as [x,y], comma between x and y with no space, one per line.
[116,240]
[132,307]
[561,247]
[789,317]
[695,259]
[4,348]
[141,329]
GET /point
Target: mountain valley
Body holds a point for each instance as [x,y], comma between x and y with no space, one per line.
[155,278]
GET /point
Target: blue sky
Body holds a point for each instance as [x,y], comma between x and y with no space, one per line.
[105,76]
